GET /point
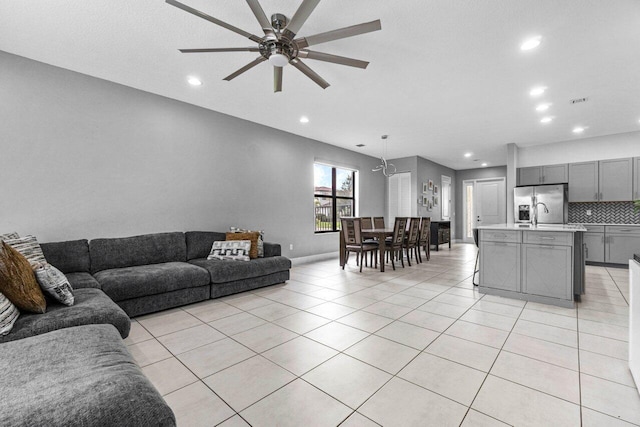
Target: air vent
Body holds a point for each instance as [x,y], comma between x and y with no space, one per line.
[578,100]
[360,145]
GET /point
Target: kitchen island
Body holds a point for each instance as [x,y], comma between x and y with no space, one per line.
[543,264]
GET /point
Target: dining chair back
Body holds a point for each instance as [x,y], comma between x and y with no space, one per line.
[367,223]
[411,242]
[425,237]
[378,222]
[394,246]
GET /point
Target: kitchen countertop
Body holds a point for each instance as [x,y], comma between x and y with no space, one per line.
[541,227]
[603,223]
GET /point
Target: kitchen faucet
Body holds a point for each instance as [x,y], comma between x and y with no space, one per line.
[534,219]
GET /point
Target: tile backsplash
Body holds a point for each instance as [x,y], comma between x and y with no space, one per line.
[604,212]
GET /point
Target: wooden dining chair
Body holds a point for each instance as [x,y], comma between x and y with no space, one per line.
[395,245]
[367,223]
[425,238]
[410,244]
[352,232]
[378,222]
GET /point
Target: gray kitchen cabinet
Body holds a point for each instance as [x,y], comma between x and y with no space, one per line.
[583,182]
[594,247]
[547,270]
[615,180]
[530,176]
[555,174]
[621,242]
[500,265]
[550,174]
[636,178]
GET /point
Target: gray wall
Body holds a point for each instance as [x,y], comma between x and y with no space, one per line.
[480,173]
[423,170]
[84,158]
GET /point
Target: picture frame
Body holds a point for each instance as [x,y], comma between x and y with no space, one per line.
[425,187]
[425,201]
[435,189]
[430,205]
[435,200]
[430,185]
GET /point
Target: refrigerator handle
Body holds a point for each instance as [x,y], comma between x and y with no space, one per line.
[595,197]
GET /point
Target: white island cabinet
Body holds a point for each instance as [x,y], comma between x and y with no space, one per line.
[634,319]
[543,264]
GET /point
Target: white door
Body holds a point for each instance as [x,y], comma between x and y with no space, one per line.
[399,196]
[491,201]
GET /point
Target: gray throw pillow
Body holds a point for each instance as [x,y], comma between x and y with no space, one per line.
[54,283]
[8,315]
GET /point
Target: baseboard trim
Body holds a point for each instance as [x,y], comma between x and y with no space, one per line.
[314,258]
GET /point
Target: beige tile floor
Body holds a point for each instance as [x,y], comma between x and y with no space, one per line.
[416,346]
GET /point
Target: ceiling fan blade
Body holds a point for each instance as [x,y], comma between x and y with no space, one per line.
[214,20]
[342,33]
[333,58]
[277,79]
[299,18]
[221,49]
[309,73]
[261,17]
[249,66]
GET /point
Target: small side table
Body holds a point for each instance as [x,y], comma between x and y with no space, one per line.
[440,233]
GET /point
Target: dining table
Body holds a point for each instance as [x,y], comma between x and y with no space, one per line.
[380,234]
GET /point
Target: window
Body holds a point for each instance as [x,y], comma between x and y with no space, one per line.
[333,196]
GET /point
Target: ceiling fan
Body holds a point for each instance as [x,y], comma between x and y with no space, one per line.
[280,46]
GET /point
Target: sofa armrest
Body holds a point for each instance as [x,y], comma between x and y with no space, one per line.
[272,249]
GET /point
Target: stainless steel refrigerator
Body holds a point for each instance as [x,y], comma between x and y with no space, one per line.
[555,197]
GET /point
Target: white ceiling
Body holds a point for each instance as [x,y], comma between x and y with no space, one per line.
[446,76]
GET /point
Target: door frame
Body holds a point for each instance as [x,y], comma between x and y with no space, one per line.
[473,182]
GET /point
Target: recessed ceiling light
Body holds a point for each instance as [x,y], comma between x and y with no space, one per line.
[531,43]
[468,154]
[543,107]
[484,165]
[546,119]
[537,91]
[578,129]
[194,81]
[304,119]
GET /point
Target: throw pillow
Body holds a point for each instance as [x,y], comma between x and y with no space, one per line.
[13,235]
[237,250]
[18,283]
[260,239]
[252,237]
[8,315]
[30,248]
[55,283]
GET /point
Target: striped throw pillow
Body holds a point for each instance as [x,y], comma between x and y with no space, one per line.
[8,315]
[29,247]
[237,250]
[55,283]
[13,235]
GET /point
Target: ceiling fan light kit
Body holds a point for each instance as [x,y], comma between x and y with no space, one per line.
[279,44]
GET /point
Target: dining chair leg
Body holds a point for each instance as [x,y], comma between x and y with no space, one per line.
[401,257]
[419,254]
[408,256]
[361,260]
[392,263]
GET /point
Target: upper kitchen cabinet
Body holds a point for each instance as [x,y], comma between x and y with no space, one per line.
[583,182]
[615,180]
[550,174]
[636,178]
[603,181]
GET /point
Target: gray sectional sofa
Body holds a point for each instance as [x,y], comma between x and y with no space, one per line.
[70,367]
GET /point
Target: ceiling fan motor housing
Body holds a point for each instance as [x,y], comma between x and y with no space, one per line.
[278,52]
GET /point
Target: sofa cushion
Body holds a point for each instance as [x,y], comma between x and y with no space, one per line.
[252,236]
[272,249]
[236,250]
[81,376]
[137,250]
[82,280]
[18,282]
[132,282]
[199,243]
[69,257]
[91,306]
[29,247]
[223,271]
